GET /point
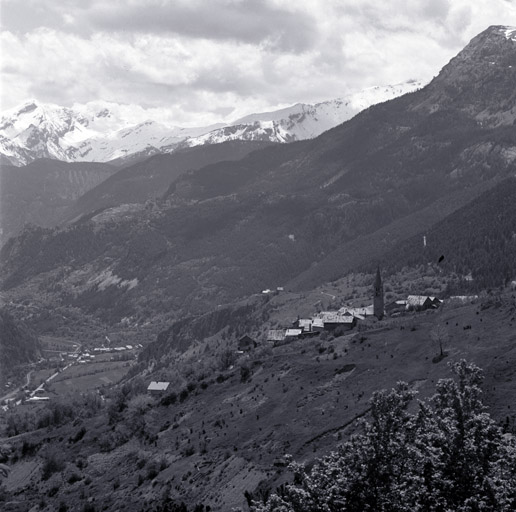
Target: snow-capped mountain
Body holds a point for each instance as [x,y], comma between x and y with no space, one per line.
[100,132]
[303,121]
[96,132]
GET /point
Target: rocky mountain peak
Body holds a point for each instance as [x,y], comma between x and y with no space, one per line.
[479,80]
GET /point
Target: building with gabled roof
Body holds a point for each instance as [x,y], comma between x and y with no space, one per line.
[422,302]
[276,335]
[333,319]
[293,333]
[396,306]
[360,313]
[246,343]
[158,388]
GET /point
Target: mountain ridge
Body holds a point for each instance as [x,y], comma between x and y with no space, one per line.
[94,132]
[234,228]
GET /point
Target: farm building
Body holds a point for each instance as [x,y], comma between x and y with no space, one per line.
[333,320]
[276,335]
[303,323]
[158,388]
[317,325]
[463,298]
[359,313]
[292,334]
[246,343]
[422,302]
[396,306]
[309,325]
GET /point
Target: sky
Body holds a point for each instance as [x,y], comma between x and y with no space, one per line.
[193,62]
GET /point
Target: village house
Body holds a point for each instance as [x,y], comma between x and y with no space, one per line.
[463,298]
[37,399]
[303,323]
[359,313]
[276,335]
[422,302]
[246,343]
[309,325]
[158,388]
[396,306]
[333,320]
[292,334]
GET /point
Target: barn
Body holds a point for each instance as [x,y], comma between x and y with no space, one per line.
[158,388]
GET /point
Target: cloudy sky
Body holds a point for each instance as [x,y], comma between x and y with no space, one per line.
[200,61]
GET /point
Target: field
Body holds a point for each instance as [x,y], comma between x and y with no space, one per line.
[55,344]
[39,376]
[81,378]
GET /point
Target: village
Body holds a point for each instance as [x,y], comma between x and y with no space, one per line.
[343,321]
[74,368]
[70,367]
[347,318]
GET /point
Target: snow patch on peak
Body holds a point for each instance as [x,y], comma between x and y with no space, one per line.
[509,32]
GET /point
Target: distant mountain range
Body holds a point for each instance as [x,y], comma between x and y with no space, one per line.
[102,132]
[285,214]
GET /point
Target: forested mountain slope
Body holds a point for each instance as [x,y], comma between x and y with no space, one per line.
[478,240]
[42,191]
[18,345]
[234,228]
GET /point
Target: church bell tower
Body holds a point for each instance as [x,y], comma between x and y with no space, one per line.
[378,304]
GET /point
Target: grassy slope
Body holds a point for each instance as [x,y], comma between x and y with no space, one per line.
[298,401]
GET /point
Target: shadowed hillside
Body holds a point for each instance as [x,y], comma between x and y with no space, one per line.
[18,345]
[477,240]
[42,191]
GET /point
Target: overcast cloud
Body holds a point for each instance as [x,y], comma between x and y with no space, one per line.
[198,62]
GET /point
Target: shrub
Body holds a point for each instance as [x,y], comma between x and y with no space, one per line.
[74,477]
[79,435]
[245,373]
[226,359]
[52,463]
[152,471]
[169,399]
[188,451]
[53,491]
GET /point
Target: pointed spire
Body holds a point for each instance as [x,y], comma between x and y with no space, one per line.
[378,282]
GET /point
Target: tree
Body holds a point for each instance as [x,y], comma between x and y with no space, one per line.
[439,335]
[137,409]
[448,455]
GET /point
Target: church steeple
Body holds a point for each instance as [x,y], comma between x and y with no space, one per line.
[378,304]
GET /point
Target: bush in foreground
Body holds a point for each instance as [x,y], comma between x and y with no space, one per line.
[448,455]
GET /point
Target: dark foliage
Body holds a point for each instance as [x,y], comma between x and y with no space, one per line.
[446,455]
[18,344]
[479,239]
